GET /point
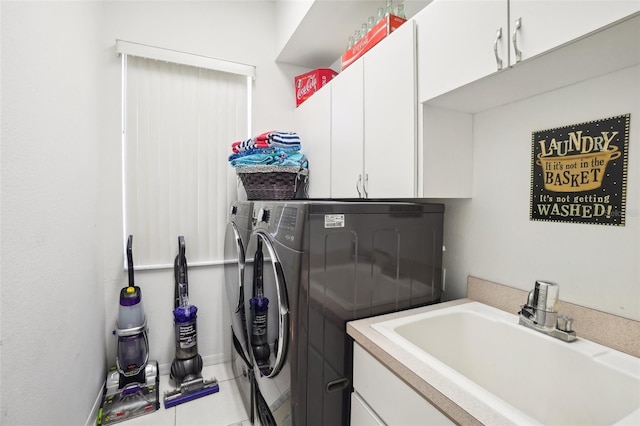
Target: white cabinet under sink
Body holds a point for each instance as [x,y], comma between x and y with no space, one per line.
[380,397]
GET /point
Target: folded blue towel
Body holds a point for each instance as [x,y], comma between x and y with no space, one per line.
[280,158]
[261,151]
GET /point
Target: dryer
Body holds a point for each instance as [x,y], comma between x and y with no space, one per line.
[236,238]
[320,264]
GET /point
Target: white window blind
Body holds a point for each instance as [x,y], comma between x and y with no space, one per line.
[178,125]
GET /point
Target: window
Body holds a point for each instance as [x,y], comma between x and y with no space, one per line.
[181,113]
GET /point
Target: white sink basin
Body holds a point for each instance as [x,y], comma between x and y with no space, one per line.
[481,356]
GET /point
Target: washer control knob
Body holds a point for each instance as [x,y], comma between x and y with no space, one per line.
[263,215]
[266,214]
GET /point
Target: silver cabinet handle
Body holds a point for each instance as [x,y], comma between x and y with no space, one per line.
[495,48]
[365,185]
[358,185]
[515,40]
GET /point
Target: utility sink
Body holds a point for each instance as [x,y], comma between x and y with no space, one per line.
[481,355]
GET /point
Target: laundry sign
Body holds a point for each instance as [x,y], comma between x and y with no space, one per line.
[579,172]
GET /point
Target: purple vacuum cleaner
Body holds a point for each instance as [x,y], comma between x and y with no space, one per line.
[132,385]
[186,367]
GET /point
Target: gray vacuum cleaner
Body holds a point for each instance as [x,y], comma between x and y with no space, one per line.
[186,367]
[132,385]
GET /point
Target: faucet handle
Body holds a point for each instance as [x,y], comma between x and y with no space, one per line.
[564,323]
[530,299]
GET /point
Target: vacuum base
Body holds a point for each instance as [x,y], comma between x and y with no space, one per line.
[134,399]
[190,390]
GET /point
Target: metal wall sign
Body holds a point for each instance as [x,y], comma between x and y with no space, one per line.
[579,172]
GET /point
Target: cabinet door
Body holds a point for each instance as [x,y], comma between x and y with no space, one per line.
[393,401]
[312,121]
[347,130]
[545,24]
[390,110]
[456,43]
[362,414]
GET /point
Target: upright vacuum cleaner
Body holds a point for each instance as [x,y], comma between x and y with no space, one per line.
[132,385]
[186,367]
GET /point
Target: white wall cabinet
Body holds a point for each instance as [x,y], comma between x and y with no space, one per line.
[312,121]
[546,24]
[456,42]
[382,398]
[373,137]
[347,132]
[374,130]
[467,63]
[462,41]
[390,115]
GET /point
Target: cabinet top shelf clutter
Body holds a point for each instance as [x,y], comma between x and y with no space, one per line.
[320,36]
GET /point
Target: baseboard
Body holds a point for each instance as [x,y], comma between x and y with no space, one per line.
[91,420]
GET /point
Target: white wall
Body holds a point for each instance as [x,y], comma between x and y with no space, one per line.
[62,249]
[52,301]
[490,236]
[289,13]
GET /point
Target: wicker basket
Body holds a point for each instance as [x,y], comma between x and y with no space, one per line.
[274,182]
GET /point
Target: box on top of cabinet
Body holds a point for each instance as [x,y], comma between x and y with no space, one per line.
[310,82]
[381,30]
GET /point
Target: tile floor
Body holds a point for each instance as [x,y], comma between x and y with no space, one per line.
[222,408]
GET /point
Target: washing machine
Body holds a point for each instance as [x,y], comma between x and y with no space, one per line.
[313,265]
[236,238]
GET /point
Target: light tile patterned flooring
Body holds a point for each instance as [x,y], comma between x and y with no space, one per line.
[222,408]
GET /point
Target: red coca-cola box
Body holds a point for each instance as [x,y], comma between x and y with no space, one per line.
[381,30]
[309,83]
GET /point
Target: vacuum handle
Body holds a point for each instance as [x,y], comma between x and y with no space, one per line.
[130,259]
[258,271]
[180,272]
[181,246]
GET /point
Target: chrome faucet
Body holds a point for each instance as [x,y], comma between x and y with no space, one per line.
[540,313]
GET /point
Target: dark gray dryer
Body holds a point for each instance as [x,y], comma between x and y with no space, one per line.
[236,238]
[324,263]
